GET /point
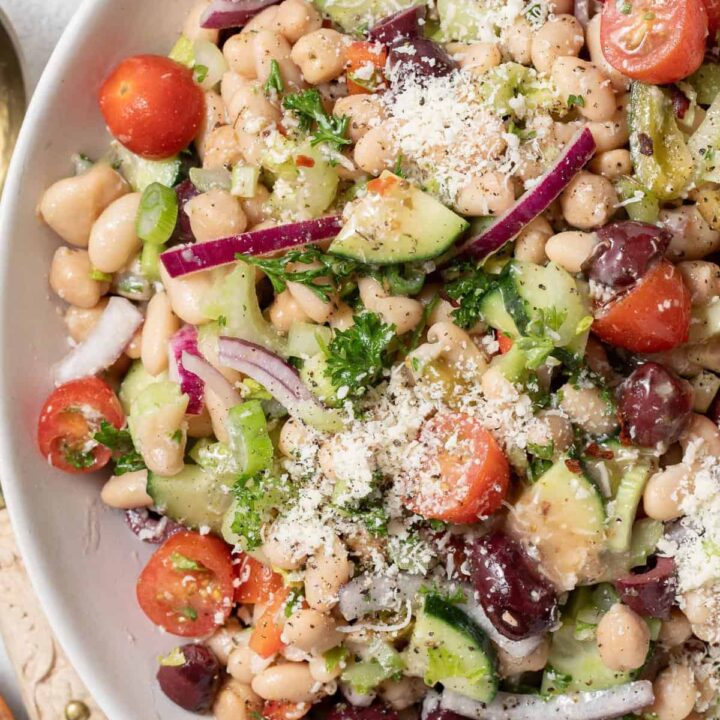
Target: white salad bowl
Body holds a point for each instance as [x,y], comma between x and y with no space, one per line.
[82,558]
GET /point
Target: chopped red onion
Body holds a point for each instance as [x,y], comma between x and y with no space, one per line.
[211,378]
[185,341]
[104,345]
[224,14]
[536,200]
[597,705]
[398,26]
[186,259]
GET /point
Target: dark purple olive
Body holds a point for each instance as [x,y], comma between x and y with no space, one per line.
[680,102]
[376,711]
[183,233]
[625,252]
[398,26]
[654,406]
[420,58]
[519,601]
[193,684]
[650,590]
[151,527]
[442,714]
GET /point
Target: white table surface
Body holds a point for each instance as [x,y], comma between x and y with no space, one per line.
[37,24]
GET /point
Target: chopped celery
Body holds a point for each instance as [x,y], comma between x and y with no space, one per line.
[205,179]
[380,662]
[622,508]
[249,439]
[639,203]
[136,380]
[183,51]
[513,89]
[215,457]
[308,339]
[706,81]
[646,534]
[244,180]
[704,145]
[663,163]
[234,299]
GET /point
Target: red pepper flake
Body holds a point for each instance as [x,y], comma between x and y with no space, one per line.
[573,466]
[304,161]
[594,450]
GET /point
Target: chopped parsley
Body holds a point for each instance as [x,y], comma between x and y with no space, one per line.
[294,600]
[126,457]
[274,81]
[358,356]
[542,333]
[308,108]
[468,286]
[79,459]
[575,101]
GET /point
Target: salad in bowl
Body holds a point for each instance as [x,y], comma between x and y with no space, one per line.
[396,328]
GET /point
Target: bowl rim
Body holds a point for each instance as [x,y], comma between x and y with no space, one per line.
[20,511]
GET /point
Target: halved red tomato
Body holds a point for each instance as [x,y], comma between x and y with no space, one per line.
[472,471]
[258,582]
[653,316]
[68,420]
[655,41]
[187,585]
[712,7]
[152,105]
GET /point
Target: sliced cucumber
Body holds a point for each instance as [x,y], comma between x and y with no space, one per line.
[380,663]
[569,533]
[140,172]
[496,315]
[194,497]
[448,647]
[356,16]
[136,380]
[316,379]
[397,223]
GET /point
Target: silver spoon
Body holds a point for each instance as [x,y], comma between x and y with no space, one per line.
[12,98]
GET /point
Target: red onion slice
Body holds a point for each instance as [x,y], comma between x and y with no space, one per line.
[104,345]
[184,341]
[597,705]
[536,200]
[187,259]
[224,14]
[212,379]
[582,12]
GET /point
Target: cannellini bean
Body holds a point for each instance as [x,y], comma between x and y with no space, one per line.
[693,238]
[320,55]
[225,639]
[364,112]
[311,631]
[218,411]
[294,436]
[665,492]
[81,321]
[518,41]
[127,491]
[221,148]
[291,682]
[702,279]
[402,312]
[326,572]
[582,79]
[240,664]
[588,201]
[236,701]
[342,317]
[488,194]
[215,214]
[561,36]
[612,164]
[313,307]
[70,278]
[571,249]
[113,238]
[256,208]
[285,311]
[280,554]
[160,325]
[320,672]
[71,206]
[586,407]
[156,438]
[623,639]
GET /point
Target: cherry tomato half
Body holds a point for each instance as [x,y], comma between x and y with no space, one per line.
[473,472]
[655,41]
[68,420]
[712,7]
[152,105]
[187,585]
[652,317]
[258,582]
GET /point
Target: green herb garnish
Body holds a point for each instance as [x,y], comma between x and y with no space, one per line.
[308,107]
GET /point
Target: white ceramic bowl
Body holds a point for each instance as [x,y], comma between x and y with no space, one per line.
[82,558]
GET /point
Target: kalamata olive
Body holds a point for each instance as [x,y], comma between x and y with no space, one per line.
[376,711]
[151,527]
[398,26]
[519,601]
[442,714]
[654,406]
[419,57]
[183,233]
[194,683]
[650,590]
[625,252]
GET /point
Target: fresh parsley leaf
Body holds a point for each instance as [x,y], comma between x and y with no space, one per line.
[545,452]
[294,600]
[575,101]
[274,81]
[468,286]
[542,333]
[357,356]
[374,516]
[78,458]
[398,169]
[129,462]
[221,321]
[127,458]
[308,107]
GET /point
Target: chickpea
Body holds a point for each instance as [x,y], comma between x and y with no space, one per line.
[81,321]
[675,693]
[240,55]
[248,108]
[160,325]
[620,82]
[127,491]
[696,606]
[113,238]
[291,682]
[236,701]
[269,46]
[213,118]
[311,631]
[374,151]
[297,18]
[676,630]
[536,660]
[518,41]
[665,492]
[581,79]
[561,36]
[586,407]
[693,238]
[530,243]
[403,312]
[221,148]
[555,429]
[320,55]
[215,214]
[266,19]
[623,639]
[611,134]
[256,208]
[477,58]
[363,110]
[588,201]
[571,249]
[702,279]
[489,194]
[225,639]
[561,6]
[326,572]
[294,435]
[612,164]
[71,206]
[192,28]
[285,311]
[70,278]
[704,434]
[403,693]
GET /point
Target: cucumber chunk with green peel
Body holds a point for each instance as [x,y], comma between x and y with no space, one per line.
[448,647]
[136,380]
[395,222]
[496,315]
[356,16]
[381,662]
[193,497]
[140,172]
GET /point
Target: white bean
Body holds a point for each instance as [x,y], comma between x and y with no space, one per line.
[215,214]
[127,491]
[664,493]
[236,701]
[160,325]
[571,249]
[320,55]
[402,312]
[489,194]
[70,278]
[113,238]
[326,572]
[374,151]
[561,36]
[187,295]
[291,682]
[81,321]
[311,631]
